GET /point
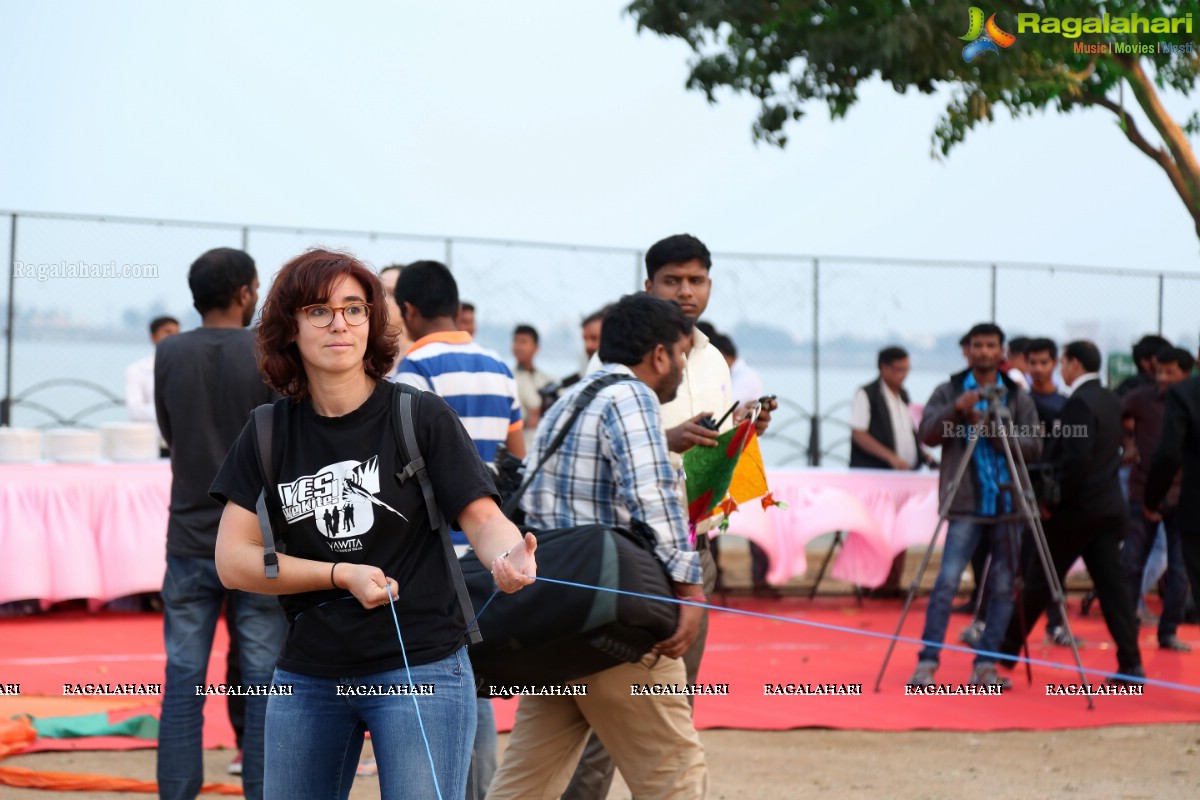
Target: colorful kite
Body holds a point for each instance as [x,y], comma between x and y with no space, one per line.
[721,478]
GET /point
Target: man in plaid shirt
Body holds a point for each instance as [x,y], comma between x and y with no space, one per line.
[613,467]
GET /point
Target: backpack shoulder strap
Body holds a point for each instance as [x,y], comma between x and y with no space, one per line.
[404,402]
[264,418]
[582,401]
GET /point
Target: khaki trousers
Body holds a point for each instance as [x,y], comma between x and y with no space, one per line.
[650,738]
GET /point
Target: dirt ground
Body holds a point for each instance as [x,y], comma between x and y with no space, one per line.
[1160,762]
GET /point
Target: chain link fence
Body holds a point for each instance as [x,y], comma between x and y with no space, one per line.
[81,290]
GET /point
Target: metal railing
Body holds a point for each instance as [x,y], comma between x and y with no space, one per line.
[81,289]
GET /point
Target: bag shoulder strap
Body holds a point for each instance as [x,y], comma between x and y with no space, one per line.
[582,401]
[404,401]
[264,434]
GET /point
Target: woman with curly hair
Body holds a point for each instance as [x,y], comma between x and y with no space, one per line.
[357,541]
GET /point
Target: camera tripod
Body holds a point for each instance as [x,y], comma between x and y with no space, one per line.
[999,417]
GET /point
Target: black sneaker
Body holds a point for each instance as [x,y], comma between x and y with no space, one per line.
[1129,677]
[1174,643]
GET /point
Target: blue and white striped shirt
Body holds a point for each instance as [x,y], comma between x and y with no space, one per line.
[612,467]
[473,381]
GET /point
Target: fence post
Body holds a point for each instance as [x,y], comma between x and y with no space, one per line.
[10,327]
[245,239]
[449,252]
[1161,282]
[814,435]
[637,270]
[993,292]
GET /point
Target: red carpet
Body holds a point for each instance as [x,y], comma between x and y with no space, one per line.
[44,652]
[748,652]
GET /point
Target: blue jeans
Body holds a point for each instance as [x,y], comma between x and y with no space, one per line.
[961,539]
[192,600]
[483,753]
[1139,540]
[315,736]
[1156,565]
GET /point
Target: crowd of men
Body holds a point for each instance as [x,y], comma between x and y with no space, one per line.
[1117,480]
[1113,459]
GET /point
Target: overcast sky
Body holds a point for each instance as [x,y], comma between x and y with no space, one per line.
[535,120]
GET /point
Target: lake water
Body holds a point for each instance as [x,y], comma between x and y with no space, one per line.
[104,365]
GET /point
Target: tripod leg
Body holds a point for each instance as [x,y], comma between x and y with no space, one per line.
[981,606]
[971,635]
[943,517]
[837,540]
[1019,595]
[912,591]
[1028,508]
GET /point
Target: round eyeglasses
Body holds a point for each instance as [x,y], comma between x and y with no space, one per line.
[321,314]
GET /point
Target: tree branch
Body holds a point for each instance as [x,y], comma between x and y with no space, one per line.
[1172,135]
[1157,154]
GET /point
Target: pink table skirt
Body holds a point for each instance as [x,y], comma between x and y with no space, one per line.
[95,531]
[98,531]
[882,512]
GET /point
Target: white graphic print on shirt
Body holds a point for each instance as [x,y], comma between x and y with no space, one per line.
[340,498]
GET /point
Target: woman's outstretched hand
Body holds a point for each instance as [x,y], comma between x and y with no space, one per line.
[516,569]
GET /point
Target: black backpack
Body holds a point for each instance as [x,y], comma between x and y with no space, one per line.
[404,402]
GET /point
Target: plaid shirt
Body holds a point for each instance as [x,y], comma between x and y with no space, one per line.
[612,467]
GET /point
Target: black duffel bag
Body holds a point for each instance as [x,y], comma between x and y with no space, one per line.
[548,633]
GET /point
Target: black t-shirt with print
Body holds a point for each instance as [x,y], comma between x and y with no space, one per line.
[341,501]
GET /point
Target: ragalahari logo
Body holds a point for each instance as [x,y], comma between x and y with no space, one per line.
[984,38]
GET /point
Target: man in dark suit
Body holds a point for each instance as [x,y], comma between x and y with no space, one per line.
[1178,446]
[1089,519]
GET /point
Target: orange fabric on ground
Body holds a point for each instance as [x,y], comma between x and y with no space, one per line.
[71,782]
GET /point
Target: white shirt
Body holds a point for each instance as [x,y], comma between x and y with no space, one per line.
[747,385]
[139,392]
[706,386]
[1018,377]
[898,412]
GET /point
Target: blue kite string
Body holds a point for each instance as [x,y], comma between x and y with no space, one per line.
[416,706]
[479,613]
[826,626]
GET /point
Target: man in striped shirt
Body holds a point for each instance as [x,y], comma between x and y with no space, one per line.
[446,361]
[478,385]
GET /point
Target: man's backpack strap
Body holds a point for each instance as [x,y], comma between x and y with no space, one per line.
[264,417]
[404,401]
[582,401]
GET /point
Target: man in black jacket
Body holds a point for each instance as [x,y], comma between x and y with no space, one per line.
[1178,446]
[1089,520]
[1142,414]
